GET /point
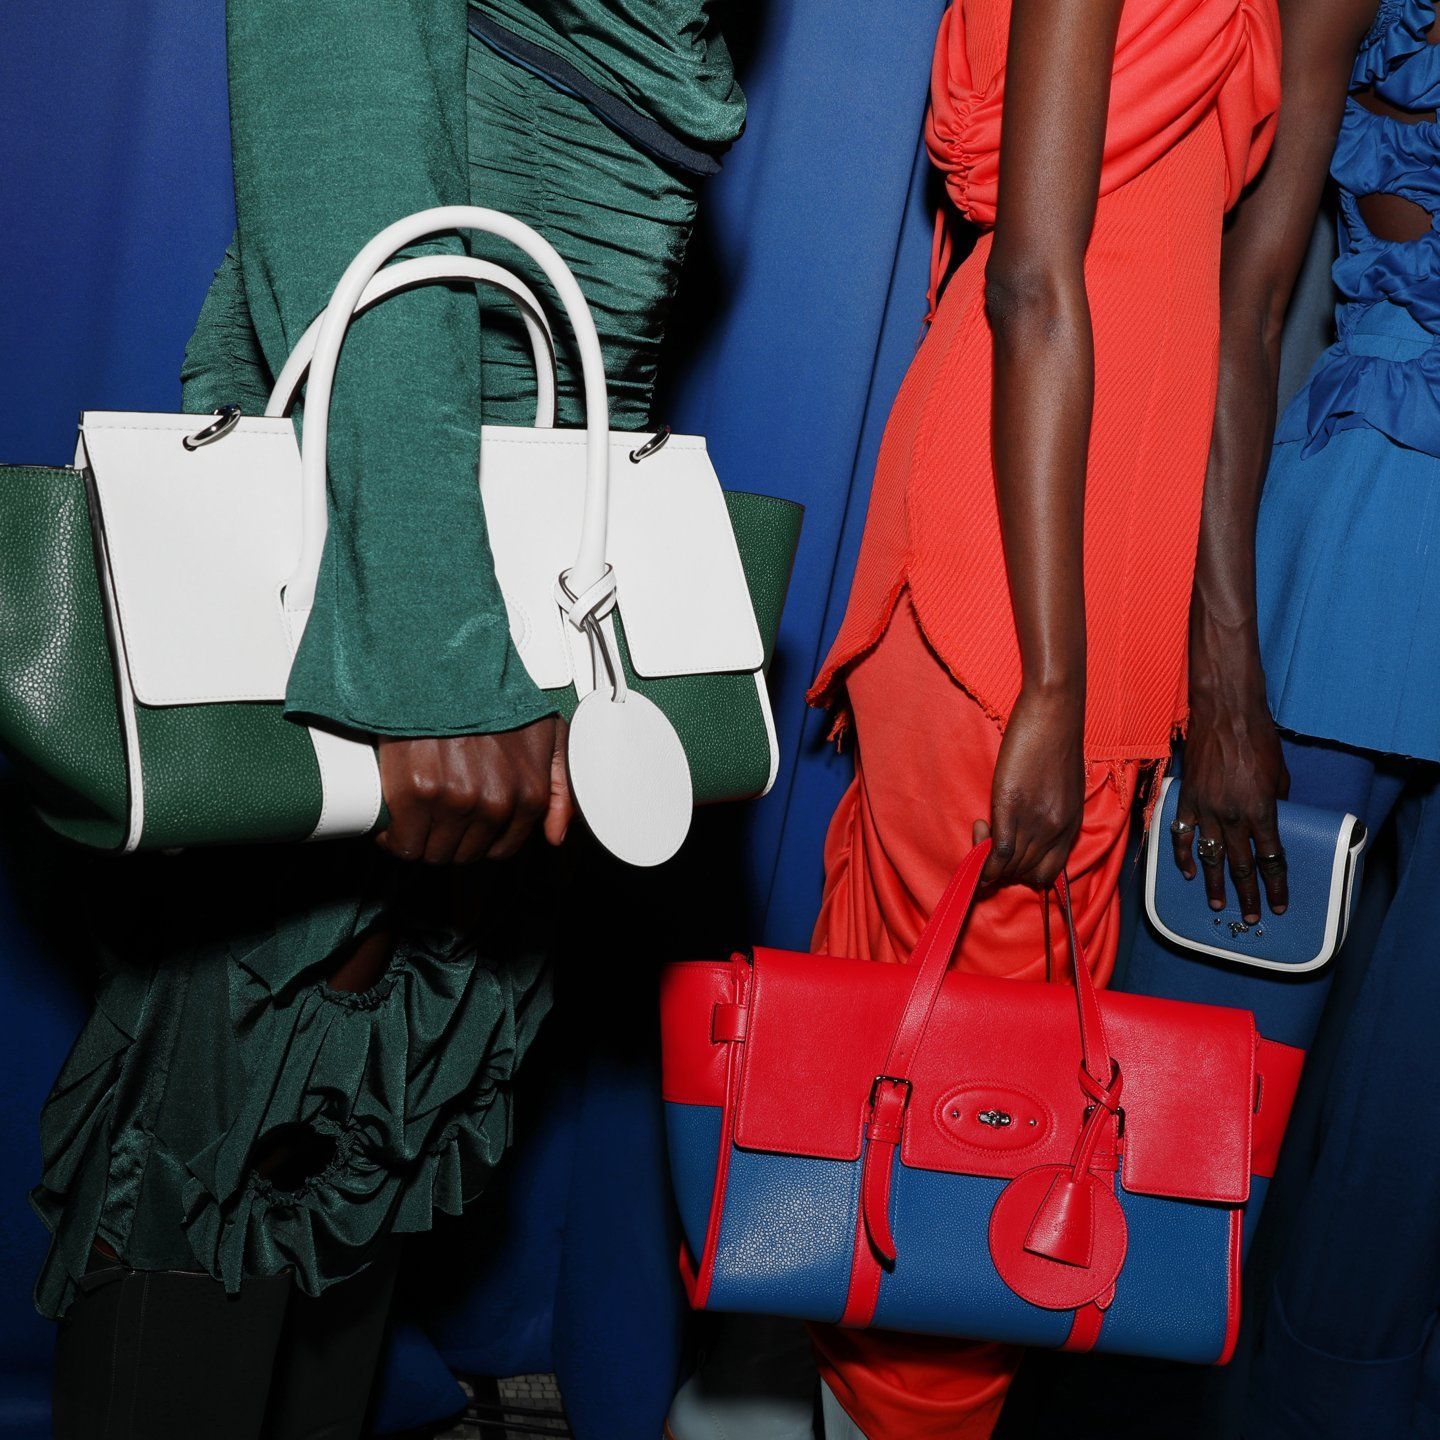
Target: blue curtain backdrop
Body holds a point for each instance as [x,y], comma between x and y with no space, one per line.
[805,304]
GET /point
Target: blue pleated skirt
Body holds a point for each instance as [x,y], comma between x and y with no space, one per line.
[1348,579]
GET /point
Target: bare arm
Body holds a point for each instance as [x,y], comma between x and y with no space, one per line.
[1234,771]
[1057,92]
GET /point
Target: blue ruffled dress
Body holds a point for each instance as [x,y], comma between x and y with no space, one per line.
[1348,546]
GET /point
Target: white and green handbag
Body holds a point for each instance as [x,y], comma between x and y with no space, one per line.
[152,597]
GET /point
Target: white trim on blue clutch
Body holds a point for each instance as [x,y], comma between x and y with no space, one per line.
[1175,905]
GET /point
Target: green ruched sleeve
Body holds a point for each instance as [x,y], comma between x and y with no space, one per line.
[345,116]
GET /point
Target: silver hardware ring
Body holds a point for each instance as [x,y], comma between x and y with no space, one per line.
[654,443]
[229,419]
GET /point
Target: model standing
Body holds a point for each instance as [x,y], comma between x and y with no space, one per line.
[1327,690]
[308,1052]
[1013,655]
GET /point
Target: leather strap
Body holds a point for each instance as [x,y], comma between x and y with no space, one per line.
[890,1094]
[590,555]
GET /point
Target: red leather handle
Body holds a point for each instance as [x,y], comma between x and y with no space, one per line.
[930,960]
[1099,1080]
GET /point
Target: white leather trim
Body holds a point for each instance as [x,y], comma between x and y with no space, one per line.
[124,694]
[1337,919]
[350,784]
[763,690]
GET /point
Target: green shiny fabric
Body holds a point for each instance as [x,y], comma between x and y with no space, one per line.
[664,57]
[214,1023]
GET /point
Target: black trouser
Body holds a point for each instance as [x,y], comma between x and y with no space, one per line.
[167,1355]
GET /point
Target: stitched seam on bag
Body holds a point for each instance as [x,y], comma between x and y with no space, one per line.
[579,439]
[266,434]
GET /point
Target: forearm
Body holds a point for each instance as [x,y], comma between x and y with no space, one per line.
[1265,243]
[1043,396]
[1223,620]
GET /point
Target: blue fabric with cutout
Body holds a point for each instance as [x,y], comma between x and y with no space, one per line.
[1348,545]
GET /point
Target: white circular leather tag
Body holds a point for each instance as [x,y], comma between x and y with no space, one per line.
[631,777]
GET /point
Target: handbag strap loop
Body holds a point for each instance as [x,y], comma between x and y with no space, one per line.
[931,958]
[590,557]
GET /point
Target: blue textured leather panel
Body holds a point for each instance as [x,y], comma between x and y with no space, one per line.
[693,1134]
[944,1282]
[788,1231]
[1294,938]
[787,1236]
[1170,1299]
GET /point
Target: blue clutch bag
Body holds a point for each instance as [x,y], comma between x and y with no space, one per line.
[1323,849]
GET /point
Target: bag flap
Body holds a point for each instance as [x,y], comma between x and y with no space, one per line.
[818,1032]
[680,587]
[1322,850]
[199,544]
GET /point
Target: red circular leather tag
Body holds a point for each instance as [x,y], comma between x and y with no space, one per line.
[1050,1283]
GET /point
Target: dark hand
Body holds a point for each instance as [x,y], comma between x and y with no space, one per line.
[1038,795]
[1234,773]
[460,799]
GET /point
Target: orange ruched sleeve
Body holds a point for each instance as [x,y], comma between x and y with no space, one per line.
[1175,62]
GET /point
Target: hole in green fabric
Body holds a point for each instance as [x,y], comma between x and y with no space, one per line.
[290,1154]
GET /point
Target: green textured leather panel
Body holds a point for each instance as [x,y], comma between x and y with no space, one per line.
[767,531]
[225,774]
[718,717]
[58,720]
[217,774]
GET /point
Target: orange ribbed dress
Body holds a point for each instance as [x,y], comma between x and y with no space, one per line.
[1195,89]
[929,630]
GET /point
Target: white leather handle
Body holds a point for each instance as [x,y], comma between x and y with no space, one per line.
[590,559]
[425,270]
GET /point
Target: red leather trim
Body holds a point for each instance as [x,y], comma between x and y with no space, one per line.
[864,1292]
[1072,1277]
[689,1276]
[1277,1076]
[738,976]
[728,1024]
[889,1098]
[1085,1331]
[1232,1300]
[693,1063]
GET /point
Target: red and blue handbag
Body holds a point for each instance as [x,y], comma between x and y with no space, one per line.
[918,1149]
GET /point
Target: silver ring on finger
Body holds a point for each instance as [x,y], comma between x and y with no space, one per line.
[1180,827]
[1274,861]
[1210,850]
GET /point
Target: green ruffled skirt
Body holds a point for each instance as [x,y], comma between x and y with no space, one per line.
[215,1029]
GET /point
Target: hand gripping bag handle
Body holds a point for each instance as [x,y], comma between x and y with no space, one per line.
[930,961]
[425,270]
[589,567]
